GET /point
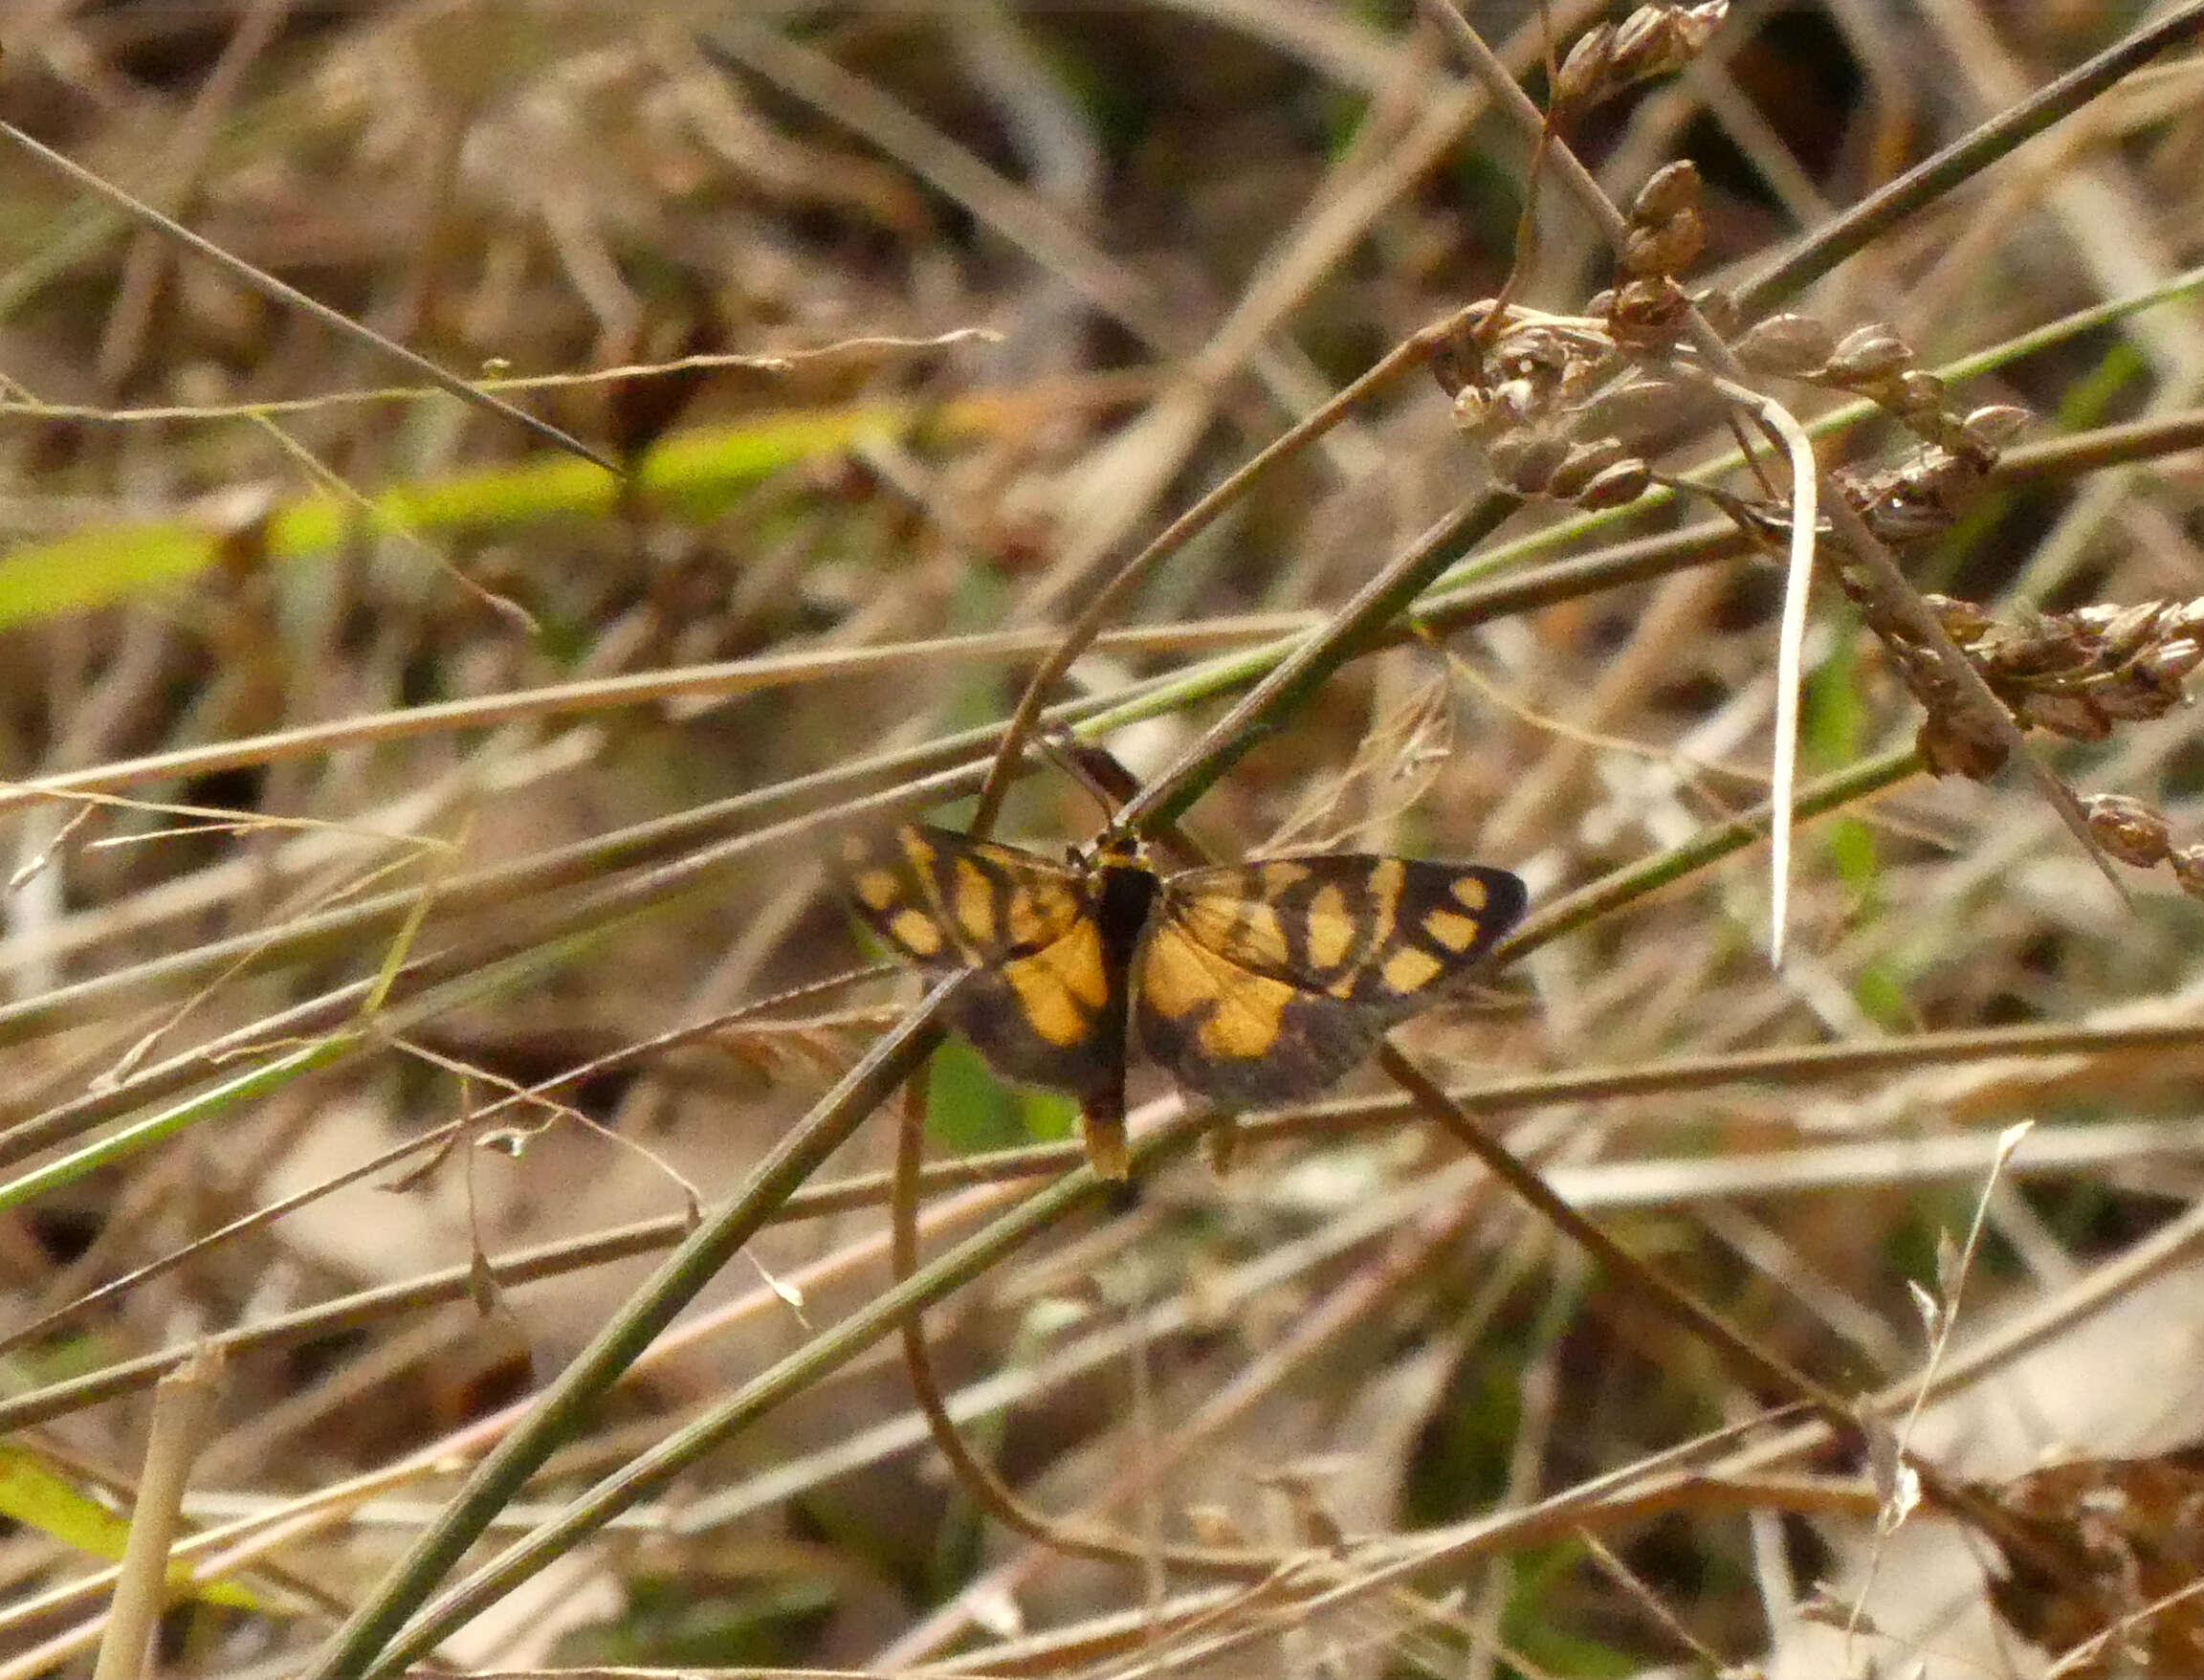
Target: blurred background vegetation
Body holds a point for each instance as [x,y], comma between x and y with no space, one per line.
[398,760]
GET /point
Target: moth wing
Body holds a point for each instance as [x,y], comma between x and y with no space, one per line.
[1265,981]
[1375,932]
[1043,1005]
[944,900]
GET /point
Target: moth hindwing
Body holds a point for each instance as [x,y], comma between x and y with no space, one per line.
[1255,984]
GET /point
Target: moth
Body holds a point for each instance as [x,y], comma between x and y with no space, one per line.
[1251,985]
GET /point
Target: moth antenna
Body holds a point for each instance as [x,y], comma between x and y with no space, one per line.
[1095,768]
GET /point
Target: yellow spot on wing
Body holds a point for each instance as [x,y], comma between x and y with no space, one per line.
[1174,977]
[1381,912]
[1457,933]
[1047,1007]
[1409,969]
[1240,1012]
[1278,877]
[1245,1024]
[878,888]
[915,931]
[1471,891]
[1331,931]
[1077,959]
[975,904]
[1061,986]
[1386,876]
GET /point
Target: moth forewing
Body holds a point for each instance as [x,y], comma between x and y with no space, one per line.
[946,900]
[1268,982]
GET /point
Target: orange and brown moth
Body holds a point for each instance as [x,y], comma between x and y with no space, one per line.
[1251,985]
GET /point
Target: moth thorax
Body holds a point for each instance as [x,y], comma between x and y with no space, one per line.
[1125,893]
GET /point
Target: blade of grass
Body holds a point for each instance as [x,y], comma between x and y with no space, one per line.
[1790,646]
[1297,676]
[182,1408]
[1889,207]
[277,292]
[697,470]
